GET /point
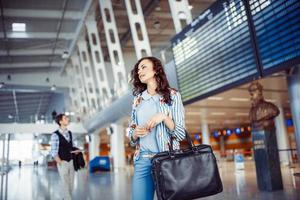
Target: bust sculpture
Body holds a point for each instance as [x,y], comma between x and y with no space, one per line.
[262,113]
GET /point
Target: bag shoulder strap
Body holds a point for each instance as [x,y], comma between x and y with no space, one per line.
[71,139]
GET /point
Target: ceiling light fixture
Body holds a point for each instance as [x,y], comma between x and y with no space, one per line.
[53,88]
[271,100]
[218,113]
[182,15]
[65,55]
[239,99]
[215,98]
[241,114]
[19,27]
[193,113]
[2,84]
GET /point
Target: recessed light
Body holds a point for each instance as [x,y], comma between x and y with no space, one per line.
[239,99]
[193,113]
[53,88]
[2,84]
[218,113]
[241,114]
[65,55]
[271,100]
[215,98]
[19,27]
[191,121]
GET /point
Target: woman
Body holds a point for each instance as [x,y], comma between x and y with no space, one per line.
[157,114]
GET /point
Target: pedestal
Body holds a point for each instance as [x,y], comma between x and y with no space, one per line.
[267,162]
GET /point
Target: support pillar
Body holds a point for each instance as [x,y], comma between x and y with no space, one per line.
[294,96]
[282,138]
[73,91]
[205,133]
[117,145]
[222,145]
[114,48]
[75,71]
[88,74]
[138,29]
[180,12]
[99,64]
[94,146]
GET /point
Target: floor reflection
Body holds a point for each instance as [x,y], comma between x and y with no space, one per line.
[43,184]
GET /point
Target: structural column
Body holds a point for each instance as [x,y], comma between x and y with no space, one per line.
[117,145]
[73,92]
[180,12]
[94,146]
[222,145]
[78,85]
[98,60]
[205,133]
[138,29]
[294,96]
[282,138]
[88,74]
[114,48]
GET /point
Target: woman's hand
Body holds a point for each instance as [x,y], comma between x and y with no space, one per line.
[156,119]
[139,132]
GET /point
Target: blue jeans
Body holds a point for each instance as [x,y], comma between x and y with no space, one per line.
[142,184]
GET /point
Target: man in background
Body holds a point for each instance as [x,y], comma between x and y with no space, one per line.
[61,150]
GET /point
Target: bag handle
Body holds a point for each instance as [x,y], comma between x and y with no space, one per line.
[187,137]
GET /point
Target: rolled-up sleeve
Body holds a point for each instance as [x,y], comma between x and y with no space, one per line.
[178,117]
[132,125]
[54,145]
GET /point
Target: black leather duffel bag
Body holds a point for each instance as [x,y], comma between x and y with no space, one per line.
[187,173]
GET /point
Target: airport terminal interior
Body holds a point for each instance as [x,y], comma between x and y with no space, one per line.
[74,57]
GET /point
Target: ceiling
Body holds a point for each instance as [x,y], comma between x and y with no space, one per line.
[23,106]
[51,29]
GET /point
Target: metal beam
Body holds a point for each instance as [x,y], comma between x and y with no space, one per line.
[31,70]
[158,15]
[78,30]
[32,65]
[3,29]
[146,11]
[22,110]
[58,33]
[16,105]
[31,52]
[48,14]
[151,31]
[36,35]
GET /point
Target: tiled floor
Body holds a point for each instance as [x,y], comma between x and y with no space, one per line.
[42,184]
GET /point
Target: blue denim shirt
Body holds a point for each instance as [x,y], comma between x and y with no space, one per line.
[145,111]
[175,111]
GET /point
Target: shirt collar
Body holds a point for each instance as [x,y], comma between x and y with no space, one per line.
[63,131]
[145,95]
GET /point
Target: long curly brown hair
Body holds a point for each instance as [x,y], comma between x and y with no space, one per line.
[163,87]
